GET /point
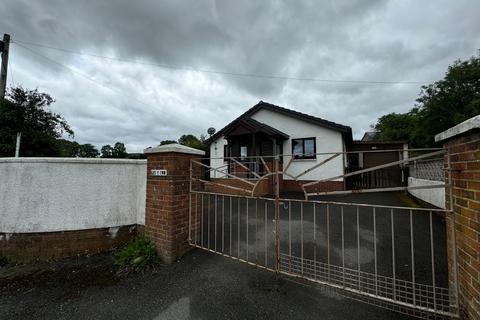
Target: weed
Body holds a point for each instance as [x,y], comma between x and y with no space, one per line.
[138,255]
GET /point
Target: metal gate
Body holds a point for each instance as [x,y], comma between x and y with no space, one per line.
[390,256]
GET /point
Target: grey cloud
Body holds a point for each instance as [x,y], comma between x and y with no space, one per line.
[354,40]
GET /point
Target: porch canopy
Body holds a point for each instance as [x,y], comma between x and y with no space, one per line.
[248,137]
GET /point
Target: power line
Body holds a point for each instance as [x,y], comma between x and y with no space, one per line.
[228,73]
[83,75]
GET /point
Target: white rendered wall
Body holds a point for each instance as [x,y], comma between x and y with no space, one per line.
[326,141]
[56,194]
[435,196]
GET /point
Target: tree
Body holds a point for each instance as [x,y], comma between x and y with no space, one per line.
[87,151]
[440,105]
[26,111]
[396,126]
[191,141]
[119,150]
[67,148]
[164,142]
[106,151]
[73,149]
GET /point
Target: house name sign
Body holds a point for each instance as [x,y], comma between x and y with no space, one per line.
[158,172]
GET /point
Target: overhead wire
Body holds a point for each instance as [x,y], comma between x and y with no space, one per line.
[93,80]
[228,73]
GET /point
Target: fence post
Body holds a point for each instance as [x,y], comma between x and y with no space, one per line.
[167,198]
[463,224]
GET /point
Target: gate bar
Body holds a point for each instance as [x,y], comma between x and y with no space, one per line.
[216,200]
[391,164]
[375,249]
[208,221]
[265,165]
[393,257]
[245,167]
[433,262]
[318,193]
[277,210]
[315,166]
[266,238]
[225,173]
[358,246]
[223,185]
[413,259]
[223,223]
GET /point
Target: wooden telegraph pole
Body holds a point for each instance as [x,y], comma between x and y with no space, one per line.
[4,48]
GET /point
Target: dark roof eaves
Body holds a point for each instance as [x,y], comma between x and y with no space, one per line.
[299,115]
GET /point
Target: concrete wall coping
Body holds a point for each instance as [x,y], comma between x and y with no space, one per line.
[74,160]
[465,126]
[174,147]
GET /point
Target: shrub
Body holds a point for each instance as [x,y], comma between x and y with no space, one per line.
[138,255]
[3,260]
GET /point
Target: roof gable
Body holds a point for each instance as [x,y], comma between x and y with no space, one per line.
[345,130]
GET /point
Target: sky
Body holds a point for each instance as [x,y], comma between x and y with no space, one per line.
[140,72]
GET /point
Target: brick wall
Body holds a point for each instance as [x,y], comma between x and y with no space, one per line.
[167,203]
[29,247]
[465,199]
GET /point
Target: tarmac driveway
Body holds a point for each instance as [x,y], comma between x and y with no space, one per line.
[202,285]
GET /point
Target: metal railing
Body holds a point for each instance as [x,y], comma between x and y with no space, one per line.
[430,169]
[251,171]
[245,169]
[391,256]
[369,250]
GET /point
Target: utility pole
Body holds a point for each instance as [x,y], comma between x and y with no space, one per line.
[4,49]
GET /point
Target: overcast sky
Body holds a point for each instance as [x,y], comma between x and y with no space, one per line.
[107,100]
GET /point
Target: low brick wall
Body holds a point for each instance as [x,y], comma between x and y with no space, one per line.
[37,246]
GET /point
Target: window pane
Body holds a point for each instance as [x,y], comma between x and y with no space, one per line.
[309,147]
[243,152]
[297,147]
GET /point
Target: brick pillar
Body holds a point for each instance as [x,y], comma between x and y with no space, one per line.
[167,199]
[463,144]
